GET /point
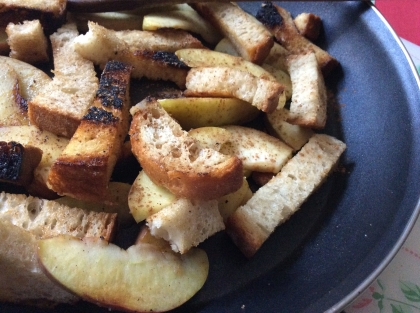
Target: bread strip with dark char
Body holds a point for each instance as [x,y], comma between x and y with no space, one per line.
[18,162]
[84,168]
[280,23]
[101,45]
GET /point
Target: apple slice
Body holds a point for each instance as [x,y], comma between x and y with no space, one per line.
[145,198]
[141,278]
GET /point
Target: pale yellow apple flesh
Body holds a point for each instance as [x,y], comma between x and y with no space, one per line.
[145,198]
[141,278]
[194,112]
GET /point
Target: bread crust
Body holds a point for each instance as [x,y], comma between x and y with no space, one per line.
[180,165]
[252,41]
[288,36]
[101,45]
[273,204]
[230,82]
[84,168]
[46,218]
[62,124]
[309,25]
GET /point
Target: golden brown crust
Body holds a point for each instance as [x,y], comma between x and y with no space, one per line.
[62,124]
[246,236]
[175,161]
[84,176]
[309,25]
[84,168]
[192,185]
[251,40]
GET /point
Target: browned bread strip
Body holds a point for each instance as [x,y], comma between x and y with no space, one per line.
[60,106]
[175,160]
[251,224]
[309,25]
[101,45]
[230,82]
[280,23]
[252,41]
[51,13]
[18,162]
[309,100]
[46,218]
[169,40]
[27,42]
[84,168]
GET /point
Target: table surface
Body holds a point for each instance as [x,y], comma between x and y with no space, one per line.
[397,289]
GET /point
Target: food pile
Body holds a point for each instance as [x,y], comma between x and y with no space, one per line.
[231,141]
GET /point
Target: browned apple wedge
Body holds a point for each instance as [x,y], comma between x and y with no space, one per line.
[142,278]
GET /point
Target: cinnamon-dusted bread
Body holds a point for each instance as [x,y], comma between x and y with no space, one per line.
[47,218]
[273,204]
[309,25]
[27,42]
[309,99]
[175,160]
[167,39]
[60,106]
[231,82]
[280,23]
[251,39]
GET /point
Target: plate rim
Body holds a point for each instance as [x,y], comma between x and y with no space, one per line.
[344,302]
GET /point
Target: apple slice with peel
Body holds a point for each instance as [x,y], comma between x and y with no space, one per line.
[142,278]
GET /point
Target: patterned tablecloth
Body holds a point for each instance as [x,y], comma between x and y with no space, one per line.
[397,289]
